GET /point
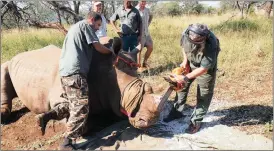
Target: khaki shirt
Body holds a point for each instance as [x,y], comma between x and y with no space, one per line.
[130,21]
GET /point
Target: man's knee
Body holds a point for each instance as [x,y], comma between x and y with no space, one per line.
[206,85]
[150,47]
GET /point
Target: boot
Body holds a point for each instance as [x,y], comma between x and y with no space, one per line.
[193,128]
[174,114]
[67,144]
[44,118]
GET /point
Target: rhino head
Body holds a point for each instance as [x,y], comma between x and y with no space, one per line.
[147,112]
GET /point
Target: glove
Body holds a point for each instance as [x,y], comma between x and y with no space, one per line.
[171,79]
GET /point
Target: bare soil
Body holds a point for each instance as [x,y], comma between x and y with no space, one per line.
[22,133]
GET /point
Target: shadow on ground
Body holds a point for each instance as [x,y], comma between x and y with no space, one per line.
[245,115]
[15,115]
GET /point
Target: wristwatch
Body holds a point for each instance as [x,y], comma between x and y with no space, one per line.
[186,79]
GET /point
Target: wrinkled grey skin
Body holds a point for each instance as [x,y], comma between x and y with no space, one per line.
[33,78]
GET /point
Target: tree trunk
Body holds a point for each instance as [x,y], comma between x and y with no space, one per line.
[241,9]
[59,17]
[134,3]
[113,6]
[76,6]
[268,8]
[103,6]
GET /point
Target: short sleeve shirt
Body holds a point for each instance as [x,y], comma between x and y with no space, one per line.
[145,14]
[77,49]
[206,58]
[130,21]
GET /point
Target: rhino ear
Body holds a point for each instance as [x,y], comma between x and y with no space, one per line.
[117,45]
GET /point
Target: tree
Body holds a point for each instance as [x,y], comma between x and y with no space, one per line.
[268,7]
[169,8]
[49,14]
[192,7]
[244,5]
[227,5]
[173,9]
[199,8]
[43,14]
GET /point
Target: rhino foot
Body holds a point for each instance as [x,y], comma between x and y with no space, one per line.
[41,122]
[44,118]
[5,113]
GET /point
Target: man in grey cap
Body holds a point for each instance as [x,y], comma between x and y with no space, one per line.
[200,51]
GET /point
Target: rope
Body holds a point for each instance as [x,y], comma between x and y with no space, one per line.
[131,64]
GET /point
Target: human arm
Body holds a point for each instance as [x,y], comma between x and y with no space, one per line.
[150,18]
[101,48]
[93,41]
[140,27]
[112,21]
[208,62]
[185,63]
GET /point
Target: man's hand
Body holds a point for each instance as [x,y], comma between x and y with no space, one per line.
[175,82]
[139,47]
[120,34]
[186,66]
[139,39]
[180,78]
[101,48]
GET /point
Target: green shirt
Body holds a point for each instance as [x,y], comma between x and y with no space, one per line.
[207,57]
[130,21]
[77,49]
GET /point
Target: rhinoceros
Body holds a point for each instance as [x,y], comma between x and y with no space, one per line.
[113,85]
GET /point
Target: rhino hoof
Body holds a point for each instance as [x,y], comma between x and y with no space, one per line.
[41,123]
[5,113]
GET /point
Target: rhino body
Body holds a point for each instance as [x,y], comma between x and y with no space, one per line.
[33,78]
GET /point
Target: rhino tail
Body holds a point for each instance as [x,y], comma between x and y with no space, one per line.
[7,92]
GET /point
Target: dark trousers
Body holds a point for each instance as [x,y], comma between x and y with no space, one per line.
[205,88]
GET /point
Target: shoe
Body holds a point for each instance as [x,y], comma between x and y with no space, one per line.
[141,70]
[174,114]
[67,144]
[193,128]
[44,118]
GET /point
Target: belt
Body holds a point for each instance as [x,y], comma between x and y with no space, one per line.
[129,34]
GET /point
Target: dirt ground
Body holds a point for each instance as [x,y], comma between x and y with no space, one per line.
[22,133]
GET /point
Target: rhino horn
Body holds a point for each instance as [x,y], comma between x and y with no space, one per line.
[164,98]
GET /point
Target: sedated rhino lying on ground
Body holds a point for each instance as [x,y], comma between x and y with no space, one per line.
[113,85]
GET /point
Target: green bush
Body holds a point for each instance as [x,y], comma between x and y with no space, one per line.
[236,25]
[167,9]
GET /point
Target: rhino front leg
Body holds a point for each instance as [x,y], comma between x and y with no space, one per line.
[58,112]
[7,92]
